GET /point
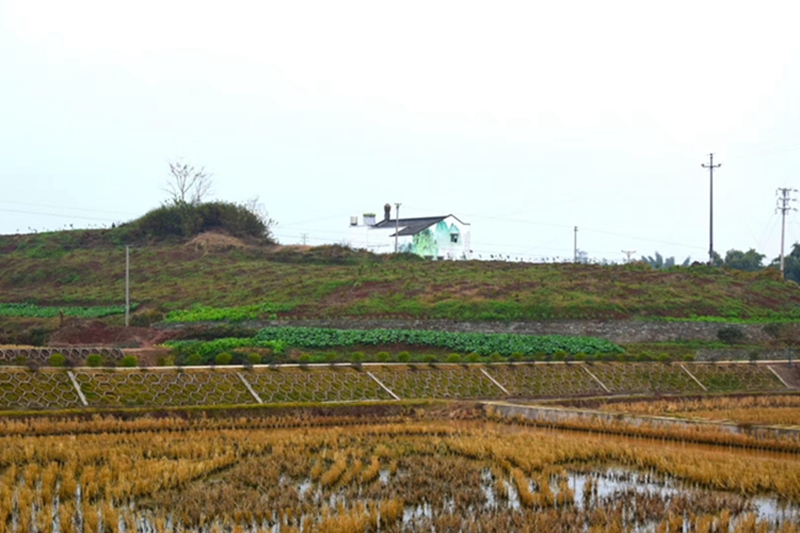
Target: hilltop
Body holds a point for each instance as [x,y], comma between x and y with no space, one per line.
[87,268]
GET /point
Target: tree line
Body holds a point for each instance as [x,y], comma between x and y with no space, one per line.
[750,261]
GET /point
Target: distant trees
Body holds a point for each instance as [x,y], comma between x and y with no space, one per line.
[659,262]
[749,260]
[791,264]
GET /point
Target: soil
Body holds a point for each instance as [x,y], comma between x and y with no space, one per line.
[76,331]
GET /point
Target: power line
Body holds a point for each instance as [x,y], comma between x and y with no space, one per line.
[4,210]
[628,253]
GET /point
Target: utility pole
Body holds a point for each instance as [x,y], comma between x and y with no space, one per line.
[784,199]
[575,246]
[396,224]
[304,236]
[629,253]
[711,166]
[127,284]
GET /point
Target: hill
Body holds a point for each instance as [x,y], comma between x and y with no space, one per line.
[87,268]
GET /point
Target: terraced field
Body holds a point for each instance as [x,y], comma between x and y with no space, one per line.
[178,387]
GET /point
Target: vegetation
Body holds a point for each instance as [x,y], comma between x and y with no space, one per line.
[35,311]
[200,313]
[337,282]
[481,343]
[396,473]
[764,410]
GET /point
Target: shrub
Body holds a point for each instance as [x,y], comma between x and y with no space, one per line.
[223,359]
[664,358]
[403,357]
[688,358]
[357,357]
[429,358]
[165,360]
[560,355]
[57,360]
[94,360]
[330,357]
[644,357]
[193,359]
[473,358]
[129,361]
[580,357]
[495,358]
[752,356]
[516,357]
[382,357]
[304,359]
[454,358]
[254,359]
[730,335]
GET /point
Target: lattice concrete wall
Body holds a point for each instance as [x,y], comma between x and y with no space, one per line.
[110,388]
[330,385]
[545,380]
[75,355]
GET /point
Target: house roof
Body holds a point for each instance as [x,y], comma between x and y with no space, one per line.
[409,226]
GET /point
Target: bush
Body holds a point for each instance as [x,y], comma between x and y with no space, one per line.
[57,360]
[580,357]
[688,358]
[473,358]
[516,357]
[560,355]
[223,359]
[129,361]
[495,358]
[193,359]
[382,357]
[184,220]
[644,357]
[165,360]
[429,358]
[454,358]
[403,357]
[254,359]
[664,358]
[730,335]
[304,359]
[357,357]
[94,360]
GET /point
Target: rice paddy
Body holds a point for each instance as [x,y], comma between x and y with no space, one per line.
[424,472]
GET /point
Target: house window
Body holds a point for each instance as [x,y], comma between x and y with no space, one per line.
[454,238]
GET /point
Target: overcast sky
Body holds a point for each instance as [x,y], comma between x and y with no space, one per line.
[523,118]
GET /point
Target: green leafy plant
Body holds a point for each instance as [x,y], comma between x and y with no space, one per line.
[94,360]
[129,361]
[223,359]
[57,360]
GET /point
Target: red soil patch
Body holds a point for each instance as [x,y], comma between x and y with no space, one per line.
[96,333]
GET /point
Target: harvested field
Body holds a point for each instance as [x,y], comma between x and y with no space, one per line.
[408,474]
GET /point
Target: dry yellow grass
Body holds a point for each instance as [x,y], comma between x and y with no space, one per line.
[234,477]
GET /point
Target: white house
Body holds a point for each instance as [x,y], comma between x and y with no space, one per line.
[438,237]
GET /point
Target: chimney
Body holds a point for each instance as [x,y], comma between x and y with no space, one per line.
[369,219]
[387,212]
[354,221]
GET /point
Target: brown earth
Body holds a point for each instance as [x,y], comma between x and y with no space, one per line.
[76,331]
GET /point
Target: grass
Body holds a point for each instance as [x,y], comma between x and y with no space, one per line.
[83,269]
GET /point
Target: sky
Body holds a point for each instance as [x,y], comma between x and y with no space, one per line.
[525,119]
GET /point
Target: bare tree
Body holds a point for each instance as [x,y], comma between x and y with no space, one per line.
[186,184]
